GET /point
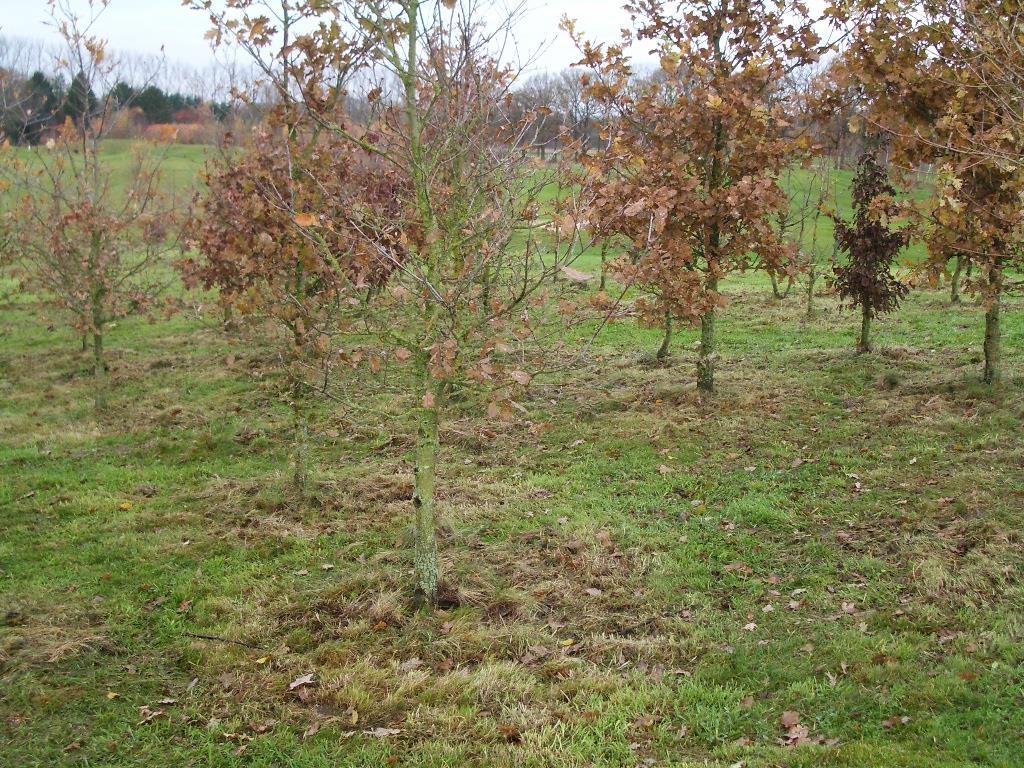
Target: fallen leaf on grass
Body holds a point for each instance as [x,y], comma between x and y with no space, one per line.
[738,568]
[299,682]
[148,715]
[382,733]
[789,718]
[644,722]
[894,721]
[796,733]
[512,734]
[313,729]
[410,664]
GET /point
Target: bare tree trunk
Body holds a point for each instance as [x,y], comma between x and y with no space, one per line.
[99,371]
[666,343]
[706,360]
[425,533]
[776,293]
[864,344]
[954,290]
[97,294]
[812,277]
[993,331]
[300,438]
[426,569]
[228,324]
[604,266]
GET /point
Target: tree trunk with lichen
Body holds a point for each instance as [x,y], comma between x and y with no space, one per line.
[666,342]
[99,371]
[864,343]
[812,277]
[300,438]
[97,294]
[425,560]
[993,331]
[954,288]
[604,266]
[706,361]
[777,293]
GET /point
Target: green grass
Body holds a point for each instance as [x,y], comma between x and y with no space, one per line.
[179,163]
[605,572]
[172,515]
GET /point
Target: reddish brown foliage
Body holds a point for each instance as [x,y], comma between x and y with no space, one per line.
[871,245]
[944,80]
[251,240]
[689,174]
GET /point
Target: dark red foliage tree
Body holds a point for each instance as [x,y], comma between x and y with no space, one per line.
[871,246]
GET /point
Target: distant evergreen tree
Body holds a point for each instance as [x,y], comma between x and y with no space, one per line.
[122,95]
[80,102]
[154,105]
[221,110]
[38,110]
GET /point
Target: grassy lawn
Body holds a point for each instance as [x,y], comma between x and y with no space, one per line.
[652,580]
[820,566]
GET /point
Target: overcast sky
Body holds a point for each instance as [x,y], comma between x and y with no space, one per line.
[144,26]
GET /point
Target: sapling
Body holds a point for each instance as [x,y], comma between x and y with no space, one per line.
[871,245]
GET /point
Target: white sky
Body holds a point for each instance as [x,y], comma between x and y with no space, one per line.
[143,26]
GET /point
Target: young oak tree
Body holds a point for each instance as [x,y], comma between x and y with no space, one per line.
[471,307]
[82,232]
[690,169]
[944,80]
[252,248]
[252,234]
[803,200]
[871,246]
[823,186]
